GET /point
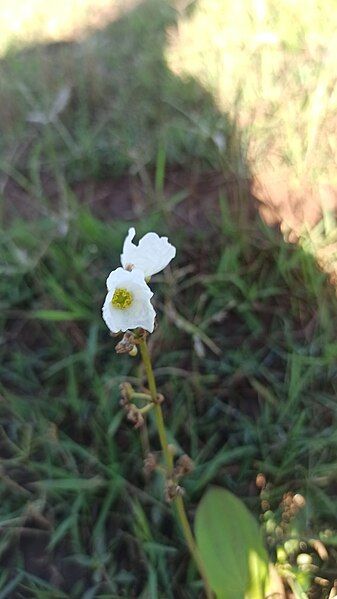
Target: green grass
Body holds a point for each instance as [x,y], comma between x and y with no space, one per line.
[123,104]
[71,465]
[245,351]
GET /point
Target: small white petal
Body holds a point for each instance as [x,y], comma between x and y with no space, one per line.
[119,276]
[152,254]
[140,313]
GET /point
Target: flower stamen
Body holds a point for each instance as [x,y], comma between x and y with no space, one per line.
[122,299]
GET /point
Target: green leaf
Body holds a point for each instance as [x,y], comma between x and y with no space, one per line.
[230,546]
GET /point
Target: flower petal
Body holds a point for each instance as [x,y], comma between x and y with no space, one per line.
[140,313]
[120,277]
[152,254]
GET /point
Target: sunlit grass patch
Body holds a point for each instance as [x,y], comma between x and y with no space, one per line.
[23,23]
[271,68]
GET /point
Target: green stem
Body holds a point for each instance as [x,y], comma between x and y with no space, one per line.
[141,396]
[179,503]
[157,408]
[146,408]
[185,525]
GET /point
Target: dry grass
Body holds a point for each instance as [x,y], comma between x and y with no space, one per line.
[273,69]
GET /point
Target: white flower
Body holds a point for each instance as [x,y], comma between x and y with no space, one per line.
[151,255]
[127,304]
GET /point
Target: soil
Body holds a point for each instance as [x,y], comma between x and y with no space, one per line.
[192,198]
[291,205]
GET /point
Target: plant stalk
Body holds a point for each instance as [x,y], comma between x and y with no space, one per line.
[144,350]
[179,503]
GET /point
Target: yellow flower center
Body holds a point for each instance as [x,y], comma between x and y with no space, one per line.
[122,299]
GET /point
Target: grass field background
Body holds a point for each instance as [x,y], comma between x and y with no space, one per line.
[159,115]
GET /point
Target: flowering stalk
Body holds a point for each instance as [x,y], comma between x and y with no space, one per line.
[157,407]
[178,500]
[127,308]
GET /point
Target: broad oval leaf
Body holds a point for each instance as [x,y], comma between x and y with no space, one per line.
[230,546]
